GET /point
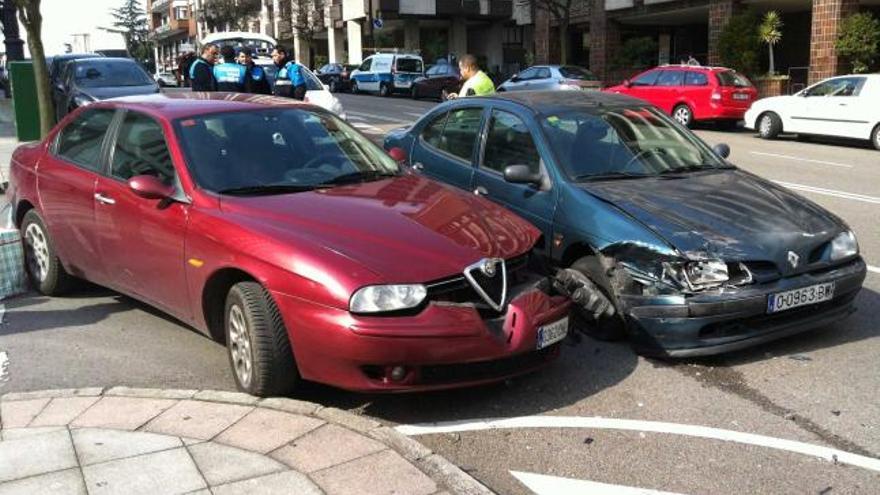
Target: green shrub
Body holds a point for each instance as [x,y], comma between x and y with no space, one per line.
[859,41]
[739,43]
[636,53]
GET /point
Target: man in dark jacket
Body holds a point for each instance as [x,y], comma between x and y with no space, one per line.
[255,80]
[289,82]
[229,74]
[201,72]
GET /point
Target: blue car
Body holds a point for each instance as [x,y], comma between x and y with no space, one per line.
[696,256]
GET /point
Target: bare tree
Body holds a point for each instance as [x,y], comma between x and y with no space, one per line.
[308,18]
[29,13]
[222,15]
[560,10]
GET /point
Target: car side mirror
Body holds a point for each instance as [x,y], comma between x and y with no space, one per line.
[627,83]
[398,154]
[721,150]
[521,174]
[514,78]
[149,187]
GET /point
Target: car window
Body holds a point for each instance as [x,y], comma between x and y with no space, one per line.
[575,72]
[459,133]
[732,78]
[433,70]
[509,142]
[409,65]
[110,73]
[381,65]
[543,73]
[80,142]
[842,86]
[529,73]
[670,78]
[365,65]
[696,79]
[141,150]
[646,79]
[433,132]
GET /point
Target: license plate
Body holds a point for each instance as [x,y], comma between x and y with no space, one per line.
[740,96]
[804,296]
[403,84]
[552,333]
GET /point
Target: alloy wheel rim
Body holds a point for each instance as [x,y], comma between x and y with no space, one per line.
[240,345]
[36,252]
[682,115]
[877,138]
[765,125]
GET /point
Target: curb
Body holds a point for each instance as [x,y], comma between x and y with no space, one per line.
[437,467]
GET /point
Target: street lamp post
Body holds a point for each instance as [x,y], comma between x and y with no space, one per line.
[13,41]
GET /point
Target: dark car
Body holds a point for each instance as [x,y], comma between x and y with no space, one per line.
[56,65]
[336,76]
[89,80]
[438,82]
[697,256]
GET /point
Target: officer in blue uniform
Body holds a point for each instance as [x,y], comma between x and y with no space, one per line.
[289,82]
[255,80]
[229,75]
[201,71]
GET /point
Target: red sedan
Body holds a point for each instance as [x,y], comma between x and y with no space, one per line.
[278,229]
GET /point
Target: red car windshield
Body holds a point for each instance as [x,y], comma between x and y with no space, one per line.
[278,150]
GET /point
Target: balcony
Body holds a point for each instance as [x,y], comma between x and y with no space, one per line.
[160,6]
[172,28]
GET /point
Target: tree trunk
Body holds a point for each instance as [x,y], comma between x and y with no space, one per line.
[563,41]
[772,65]
[29,13]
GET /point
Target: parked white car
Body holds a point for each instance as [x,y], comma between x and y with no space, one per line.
[844,106]
[165,79]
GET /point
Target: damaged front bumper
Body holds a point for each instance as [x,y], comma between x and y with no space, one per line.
[725,320]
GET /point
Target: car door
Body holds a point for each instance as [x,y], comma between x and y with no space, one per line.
[66,182]
[642,85]
[141,240]
[521,80]
[697,92]
[833,109]
[433,79]
[668,91]
[363,76]
[509,141]
[445,147]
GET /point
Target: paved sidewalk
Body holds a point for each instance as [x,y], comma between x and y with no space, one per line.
[150,441]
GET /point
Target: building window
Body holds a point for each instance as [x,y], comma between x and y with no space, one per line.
[513,35]
[181,13]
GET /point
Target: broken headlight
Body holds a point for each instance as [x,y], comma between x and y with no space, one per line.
[844,246]
[669,277]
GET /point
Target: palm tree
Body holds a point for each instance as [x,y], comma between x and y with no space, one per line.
[770,32]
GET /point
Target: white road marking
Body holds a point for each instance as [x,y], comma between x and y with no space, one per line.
[787,157]
[829,454]
[4,366]
[873,269]
[542,484]
[2,311]
[830,192]
[378,117]
[366,127]
[414,114]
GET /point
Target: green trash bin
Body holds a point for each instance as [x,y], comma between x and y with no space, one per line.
[24,100]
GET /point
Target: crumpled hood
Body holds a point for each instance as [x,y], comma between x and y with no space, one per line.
[403,229]
[105,93]
[729,214]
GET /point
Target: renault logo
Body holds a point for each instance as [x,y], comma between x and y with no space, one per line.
[793,259]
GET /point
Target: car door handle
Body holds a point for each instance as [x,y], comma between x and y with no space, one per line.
[481,191]
[418,166]
[104,199]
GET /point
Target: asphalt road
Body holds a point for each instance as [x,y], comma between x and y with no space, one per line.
[819,388]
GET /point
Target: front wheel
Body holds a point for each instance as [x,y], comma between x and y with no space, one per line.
[607,328]
[414,93]
[684,115]
[258,345]
[875,137]
[384,90]
[334,86]
[354,88]
[43,267]
[769,125]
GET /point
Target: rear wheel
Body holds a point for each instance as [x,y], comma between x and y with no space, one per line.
[769,125]
[608,328]
[334,86]
[875,137]
[414,93]
[259,348]
[384,90]
[683,114]
[42,264]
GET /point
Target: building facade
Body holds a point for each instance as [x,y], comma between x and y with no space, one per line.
[172,30]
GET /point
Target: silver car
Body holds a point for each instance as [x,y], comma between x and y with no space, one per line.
[552,77]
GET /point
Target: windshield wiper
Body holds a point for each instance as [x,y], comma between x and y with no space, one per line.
[259,189]
[611,176]
[359,176]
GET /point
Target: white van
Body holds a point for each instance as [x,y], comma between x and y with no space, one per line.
[387,73]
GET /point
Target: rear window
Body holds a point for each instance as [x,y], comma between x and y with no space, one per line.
[409,65]
[731,78]
[573,72]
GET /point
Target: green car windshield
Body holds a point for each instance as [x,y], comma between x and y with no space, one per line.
[624,142]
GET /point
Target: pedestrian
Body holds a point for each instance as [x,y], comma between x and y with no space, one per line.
[183,65]
[476,82]
[201,71]
[255,80]
[289,82]
[229,74]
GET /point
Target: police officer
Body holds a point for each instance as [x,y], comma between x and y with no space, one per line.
[476,83]
[201,71]
[229,75]
[289,82]
[255,80]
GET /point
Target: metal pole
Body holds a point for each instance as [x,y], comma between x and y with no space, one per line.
[14,43]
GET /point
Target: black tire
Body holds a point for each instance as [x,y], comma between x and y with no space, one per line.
[414,93]
[43,267]
[384,90]
[354,88]
[683,115]
[273,369]
[875,137]
[334,86]
[769,125]
[611,328]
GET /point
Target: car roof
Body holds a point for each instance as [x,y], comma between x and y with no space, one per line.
[190,104]
[73,56]
[552,102]
[105,59]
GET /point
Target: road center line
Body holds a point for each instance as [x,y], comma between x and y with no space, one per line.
[830,192]
[543,484]
[787,157]
[827,453]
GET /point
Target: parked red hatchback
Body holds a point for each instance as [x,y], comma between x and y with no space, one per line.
[693,93]
[277,228]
